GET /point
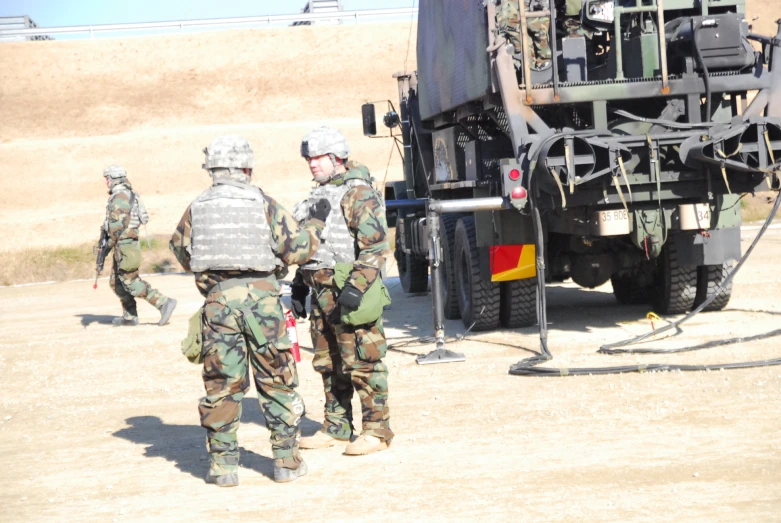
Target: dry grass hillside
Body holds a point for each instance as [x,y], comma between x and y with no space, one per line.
[68,108]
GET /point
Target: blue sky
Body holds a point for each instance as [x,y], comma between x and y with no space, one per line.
[53,13]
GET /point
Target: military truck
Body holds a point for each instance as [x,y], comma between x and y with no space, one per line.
[623,161]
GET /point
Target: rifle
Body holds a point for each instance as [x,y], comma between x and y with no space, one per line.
[102,250]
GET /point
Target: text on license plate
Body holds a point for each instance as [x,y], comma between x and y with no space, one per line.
[611,223]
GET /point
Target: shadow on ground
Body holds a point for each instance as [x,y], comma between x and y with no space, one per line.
[104,319]
[183,445]
[100,319]
[570,308]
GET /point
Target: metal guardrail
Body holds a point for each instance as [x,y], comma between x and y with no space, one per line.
[210,22]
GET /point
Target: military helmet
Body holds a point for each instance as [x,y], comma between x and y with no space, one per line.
[325,140]
[230,151]
[115,172]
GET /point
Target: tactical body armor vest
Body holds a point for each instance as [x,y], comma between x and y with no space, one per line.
[230,230]
[138,213]
[337,244]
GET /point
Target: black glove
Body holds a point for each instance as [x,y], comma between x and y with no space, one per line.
[350,297]
[298,293]
[320,209]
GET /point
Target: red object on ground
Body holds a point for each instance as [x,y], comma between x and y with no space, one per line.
[290,323]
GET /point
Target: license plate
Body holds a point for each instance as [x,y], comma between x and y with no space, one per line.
[611,223]
[694,216]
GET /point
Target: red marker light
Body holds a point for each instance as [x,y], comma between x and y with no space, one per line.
[518,193]
[514,175]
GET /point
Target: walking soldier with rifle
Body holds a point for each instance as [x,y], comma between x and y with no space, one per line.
[124,215]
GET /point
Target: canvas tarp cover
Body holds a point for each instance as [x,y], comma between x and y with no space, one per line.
[453,67]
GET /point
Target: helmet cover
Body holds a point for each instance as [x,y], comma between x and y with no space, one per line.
[230,151]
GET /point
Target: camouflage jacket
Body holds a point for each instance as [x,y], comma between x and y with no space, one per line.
[291,243]
[117,219]
[364,212]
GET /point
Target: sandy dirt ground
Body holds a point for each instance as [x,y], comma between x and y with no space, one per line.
[100,423]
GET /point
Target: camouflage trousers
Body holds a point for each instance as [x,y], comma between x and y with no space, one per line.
[348,358]
[128,285]
[230,346]
[508,23]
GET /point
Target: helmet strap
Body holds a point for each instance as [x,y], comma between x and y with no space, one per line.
[337,165]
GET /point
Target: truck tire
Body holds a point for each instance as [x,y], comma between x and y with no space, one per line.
[676,284]
[413,272]
[447,229]
[627,291]
[519,303]
[709,277]
[478,300]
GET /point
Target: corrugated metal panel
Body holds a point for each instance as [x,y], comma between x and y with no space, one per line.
[453,66]
[14,21]
[8,23]
[322,6]
[319,7]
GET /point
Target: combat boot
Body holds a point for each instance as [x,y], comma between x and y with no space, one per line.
[320,440]
[166,310]
[224,480]
[285,475]
[125,322]
[365,444]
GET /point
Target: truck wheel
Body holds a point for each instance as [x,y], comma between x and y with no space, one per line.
[709,277]
[676,284]
[627,291]
[447,228]
[478,300]
[519,303]
[413,272]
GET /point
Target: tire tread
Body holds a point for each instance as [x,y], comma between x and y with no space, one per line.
[519,303]
[485,295]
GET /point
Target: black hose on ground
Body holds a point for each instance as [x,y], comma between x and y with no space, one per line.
[612,347]
[527,366]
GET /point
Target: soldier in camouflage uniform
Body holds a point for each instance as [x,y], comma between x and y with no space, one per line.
[234,238]
[508,24]
[347,356]
[124,215]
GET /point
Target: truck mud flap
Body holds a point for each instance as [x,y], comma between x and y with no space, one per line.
[714,248]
